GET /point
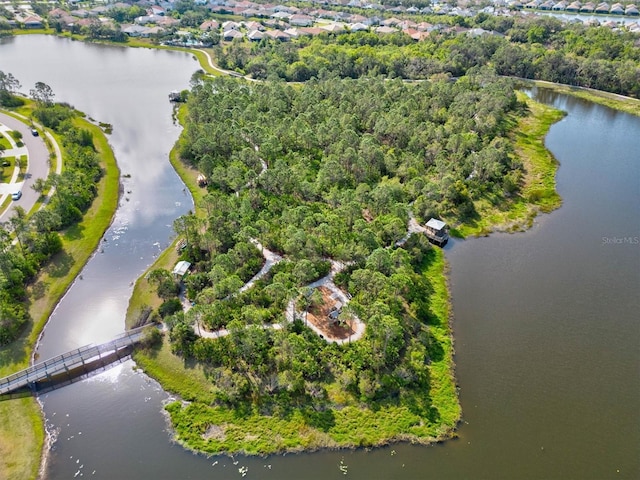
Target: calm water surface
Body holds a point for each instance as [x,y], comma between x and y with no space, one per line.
[547,338]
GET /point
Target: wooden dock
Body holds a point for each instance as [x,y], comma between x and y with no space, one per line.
[78,358]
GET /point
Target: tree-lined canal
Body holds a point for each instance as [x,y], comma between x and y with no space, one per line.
[546,323]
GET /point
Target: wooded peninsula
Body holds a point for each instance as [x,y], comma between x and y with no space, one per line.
[327,180]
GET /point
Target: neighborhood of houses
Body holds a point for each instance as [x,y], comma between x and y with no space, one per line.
[257,21]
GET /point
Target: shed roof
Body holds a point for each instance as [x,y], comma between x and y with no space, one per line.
[436,224]
[181,268]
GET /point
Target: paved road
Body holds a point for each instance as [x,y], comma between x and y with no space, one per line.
[231,73]
[38,166]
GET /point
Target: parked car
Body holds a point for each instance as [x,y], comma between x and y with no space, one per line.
[34,132]
[16,195]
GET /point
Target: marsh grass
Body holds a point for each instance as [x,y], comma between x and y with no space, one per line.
[499,212]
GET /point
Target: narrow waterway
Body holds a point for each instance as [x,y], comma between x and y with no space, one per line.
[546,324]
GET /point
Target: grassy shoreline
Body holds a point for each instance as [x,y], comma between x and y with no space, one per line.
[612,100]
[538,186]
[22,433]
[255,434]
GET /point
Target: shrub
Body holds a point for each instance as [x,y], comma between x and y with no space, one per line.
[169,307]
[152,338]
[168,288]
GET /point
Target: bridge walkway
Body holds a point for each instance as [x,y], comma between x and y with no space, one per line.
[67,361]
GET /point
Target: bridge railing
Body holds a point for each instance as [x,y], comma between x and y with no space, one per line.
[124,339]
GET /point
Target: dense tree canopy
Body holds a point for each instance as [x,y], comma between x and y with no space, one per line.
[330,170]
[536,48]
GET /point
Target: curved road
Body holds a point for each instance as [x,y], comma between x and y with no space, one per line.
[37,166]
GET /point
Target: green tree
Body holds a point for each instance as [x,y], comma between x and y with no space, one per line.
[42,94]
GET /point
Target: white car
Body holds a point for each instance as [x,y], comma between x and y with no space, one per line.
[16,195]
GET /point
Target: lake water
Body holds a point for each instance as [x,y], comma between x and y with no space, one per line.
[546,325]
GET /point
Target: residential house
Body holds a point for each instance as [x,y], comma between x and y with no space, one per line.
[232,34]
[256,35]
[384,29]
[250,26]
[293,32]
[229,25]
[312,31]
[133,30]
[358,27]
[334,27]
[616,9]
[251,12]
[281,15]
[80,13]
[301,20]
[209,25]
[99,10]
[278,35]
[167,21]
[390,22]
[419,35]
[30,21]
[57,13]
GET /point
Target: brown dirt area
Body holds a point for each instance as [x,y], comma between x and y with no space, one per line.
[319,317]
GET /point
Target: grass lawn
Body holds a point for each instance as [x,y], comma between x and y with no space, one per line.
[21,425]
[8,164]
[4,142]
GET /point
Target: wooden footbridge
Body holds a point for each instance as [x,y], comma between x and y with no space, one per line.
[76,362]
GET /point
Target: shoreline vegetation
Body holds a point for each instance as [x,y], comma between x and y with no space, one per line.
[538,191]
[22,434]
[219,430]
[612,100]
